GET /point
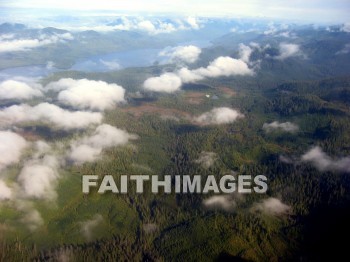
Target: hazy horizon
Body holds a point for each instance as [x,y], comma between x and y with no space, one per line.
[315,11]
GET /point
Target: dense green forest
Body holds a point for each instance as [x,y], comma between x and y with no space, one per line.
[176,227]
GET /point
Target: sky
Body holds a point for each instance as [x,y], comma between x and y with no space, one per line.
[307,10]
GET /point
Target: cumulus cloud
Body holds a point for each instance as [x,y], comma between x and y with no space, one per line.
[167,83]
[286,126]
[11,89]
[5,191]
[219,115]
[38,178]
[89,148]
[84,93]
[87,227]
[187,54]
[221,66]
[223,202]
[206,159]
[28,44]
[287,50]
[11,147]
[323,162]
[224,66]
[272,206]
[189,76]
[48,113]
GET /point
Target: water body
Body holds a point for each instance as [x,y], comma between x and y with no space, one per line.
[125,59]
[119,60]
[100,63]
[36,71]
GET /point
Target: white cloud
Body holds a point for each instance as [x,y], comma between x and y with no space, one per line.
[286,126]
[89,148]
[189,76]
[167,83]
[129,23]
[219,115]
[323,162]
[84,93]
[287,50]
[187,54]
[272,206]
[48,113]
[206,159]
[28,44]
[193,22]
[11,89]
[38,178]
[11,147]
[224,202]
[224,66]
[146,26]
[87,227]
[5,191]
[221,66]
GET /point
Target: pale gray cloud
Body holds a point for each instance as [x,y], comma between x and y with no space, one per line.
[272,206]
[87,227]
[187,54]
[150,228]
[5,191]
[89,148]
[345,27]
[323,162]
[219,115]
[11,148]
[286,127]
[206,159]
[219,202]
[30,216]
[14,45]
[245,52]
[288,50]
[111,65]
[345,50]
